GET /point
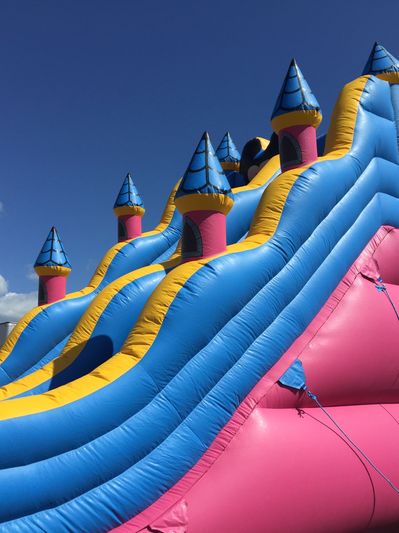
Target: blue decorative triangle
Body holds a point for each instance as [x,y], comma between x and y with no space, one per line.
[380,60]
[294,377]
[227,151]
[204,174]
[128,194]
[52,252]
[295,93]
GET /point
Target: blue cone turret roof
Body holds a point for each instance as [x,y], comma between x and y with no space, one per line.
[295,93]
[204,174]
[380,61]
[52,253]
[227,151]
[128,195]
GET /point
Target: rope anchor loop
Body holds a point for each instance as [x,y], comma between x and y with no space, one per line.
[381,287]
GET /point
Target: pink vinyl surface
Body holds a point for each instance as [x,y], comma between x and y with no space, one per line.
[306,138]
[280,464]
[355,334]
[212,227]
[54,287]
[132,224]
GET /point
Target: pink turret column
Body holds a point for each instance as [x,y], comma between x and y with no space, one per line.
[53,268]
[204,198]
[204,234]
[129,209]
[297,146]
[51,288]
[295,118]
[129,227]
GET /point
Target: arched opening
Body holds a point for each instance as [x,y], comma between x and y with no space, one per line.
[290,150]
[122,234]
[42,293]
[191,239]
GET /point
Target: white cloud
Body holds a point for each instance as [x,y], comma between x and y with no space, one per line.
[31,275]
[14,305]
[3,286]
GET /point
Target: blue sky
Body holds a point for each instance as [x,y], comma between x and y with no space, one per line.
[91,89]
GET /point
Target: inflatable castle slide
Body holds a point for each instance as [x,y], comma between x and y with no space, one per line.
[236,369]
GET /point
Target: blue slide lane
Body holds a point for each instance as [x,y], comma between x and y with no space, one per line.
[125,306]
[35,342]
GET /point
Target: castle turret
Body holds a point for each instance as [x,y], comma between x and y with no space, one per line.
[52,267]
[228,154]
[129,209]
[229,158]
[204,198]
[382,64]
[295,118]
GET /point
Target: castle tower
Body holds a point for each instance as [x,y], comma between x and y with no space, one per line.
[229,158]
[295,118]
[129,209]
[52,267]
[382,64]
[204,198]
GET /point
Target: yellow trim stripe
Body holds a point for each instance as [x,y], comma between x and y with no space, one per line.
[129,210]
[340,134]
[200,202]
[391,77]
[150,321]
[309,117]
[55,270]
[230,165]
